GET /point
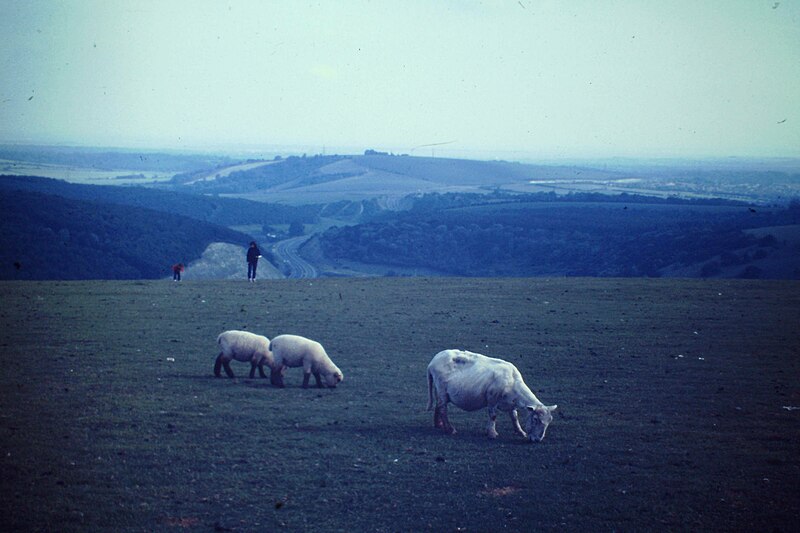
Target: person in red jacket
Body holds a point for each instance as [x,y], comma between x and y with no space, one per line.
[177,268]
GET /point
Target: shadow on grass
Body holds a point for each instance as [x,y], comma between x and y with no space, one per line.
[256,383]
[469,437]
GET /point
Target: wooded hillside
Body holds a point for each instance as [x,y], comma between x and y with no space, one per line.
[469,235]
[214,209]
[45,236]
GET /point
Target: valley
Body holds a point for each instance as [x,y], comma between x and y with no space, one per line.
[385,214]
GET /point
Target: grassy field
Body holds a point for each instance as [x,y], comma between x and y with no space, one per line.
[83,175]
[672,395]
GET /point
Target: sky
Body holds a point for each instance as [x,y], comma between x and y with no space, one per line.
[494,78]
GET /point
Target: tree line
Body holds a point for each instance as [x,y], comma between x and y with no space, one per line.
[609,236]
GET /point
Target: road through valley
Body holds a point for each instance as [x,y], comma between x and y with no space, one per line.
[287,254]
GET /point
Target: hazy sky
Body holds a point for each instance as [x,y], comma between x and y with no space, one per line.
[533,78]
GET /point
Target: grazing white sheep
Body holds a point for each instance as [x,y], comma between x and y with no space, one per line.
[294,351]
[473,381]
[245,347]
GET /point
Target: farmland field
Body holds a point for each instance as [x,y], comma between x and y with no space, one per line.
[86,176]
[677,407]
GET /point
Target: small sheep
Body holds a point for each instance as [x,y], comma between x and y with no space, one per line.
[243,346]
[293,351]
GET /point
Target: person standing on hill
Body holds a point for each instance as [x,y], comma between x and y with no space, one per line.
[177,268]
[253,253]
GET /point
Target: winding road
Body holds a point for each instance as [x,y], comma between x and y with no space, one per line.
[286,252]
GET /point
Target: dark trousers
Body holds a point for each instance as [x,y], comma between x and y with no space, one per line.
[251,270]
[176,275]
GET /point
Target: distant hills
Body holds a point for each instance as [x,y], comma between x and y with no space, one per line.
[302,172]
[331,178]
[383,214]
[129,160]
[323,179]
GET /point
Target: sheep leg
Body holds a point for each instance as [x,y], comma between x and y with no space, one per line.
[218,366]
[319,380]
[437,418]
[305,379]
[515,420]
[446,425]
[276,377]
[492,427]
[252,370]
[261,370]
[222,363]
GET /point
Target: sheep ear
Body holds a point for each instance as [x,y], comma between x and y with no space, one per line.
[540,408]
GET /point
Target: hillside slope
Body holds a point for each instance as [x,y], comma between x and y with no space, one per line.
[49,237]
[337,177]
[549,236]
[223,211]
[330,178]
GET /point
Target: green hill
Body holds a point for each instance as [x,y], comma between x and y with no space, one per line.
[216,210]
[331,178]
[43,236]
[335,177]
[546,235]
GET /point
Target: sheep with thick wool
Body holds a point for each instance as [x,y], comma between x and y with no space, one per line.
[295,351]
[245,347]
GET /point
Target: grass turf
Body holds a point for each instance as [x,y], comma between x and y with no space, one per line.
[672,397]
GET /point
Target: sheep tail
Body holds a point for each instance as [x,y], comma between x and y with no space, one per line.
[430,390]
